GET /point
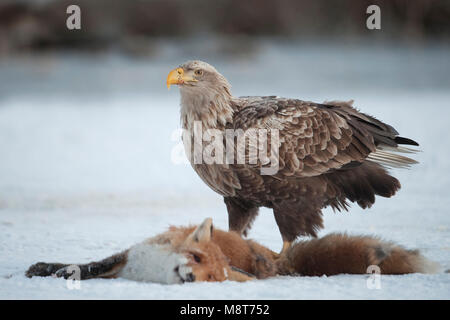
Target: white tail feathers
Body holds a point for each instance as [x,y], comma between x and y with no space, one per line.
[387,156]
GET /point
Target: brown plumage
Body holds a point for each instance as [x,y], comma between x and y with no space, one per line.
[327,153]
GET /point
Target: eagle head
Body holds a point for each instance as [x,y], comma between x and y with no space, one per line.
[194,75]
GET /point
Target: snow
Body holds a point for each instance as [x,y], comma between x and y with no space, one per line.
[87,170]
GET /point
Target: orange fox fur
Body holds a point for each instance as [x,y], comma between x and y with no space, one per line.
[216,255]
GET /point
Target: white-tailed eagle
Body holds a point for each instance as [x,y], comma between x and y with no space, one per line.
[327,153]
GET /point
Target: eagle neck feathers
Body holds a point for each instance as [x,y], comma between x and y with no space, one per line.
[214,107]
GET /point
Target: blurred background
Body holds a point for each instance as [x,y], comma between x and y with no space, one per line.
[81,108]
[88,130]
[133,27]
[125,41]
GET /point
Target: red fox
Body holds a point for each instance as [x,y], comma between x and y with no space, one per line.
[187,254]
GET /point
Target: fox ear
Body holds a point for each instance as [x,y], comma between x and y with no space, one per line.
[203,232]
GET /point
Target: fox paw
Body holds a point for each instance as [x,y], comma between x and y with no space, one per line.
[43,269]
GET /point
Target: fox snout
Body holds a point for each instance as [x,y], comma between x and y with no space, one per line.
[185,273]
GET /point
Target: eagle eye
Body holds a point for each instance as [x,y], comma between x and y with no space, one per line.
[198,72]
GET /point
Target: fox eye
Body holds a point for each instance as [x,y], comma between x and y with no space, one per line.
[198,72]
[197,258]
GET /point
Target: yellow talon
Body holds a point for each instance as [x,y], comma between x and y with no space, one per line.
[286,246]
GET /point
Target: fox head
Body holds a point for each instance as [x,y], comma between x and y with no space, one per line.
[206,259]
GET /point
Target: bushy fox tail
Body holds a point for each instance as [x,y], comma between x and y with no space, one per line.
[341,253]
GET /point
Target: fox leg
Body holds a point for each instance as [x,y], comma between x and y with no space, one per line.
[240,214]
[106,268]
[236,274]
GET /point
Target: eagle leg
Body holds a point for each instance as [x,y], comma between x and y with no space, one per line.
[286,246]
[295,218]
[241,214]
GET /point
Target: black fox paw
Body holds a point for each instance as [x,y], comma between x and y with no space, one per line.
[43,269]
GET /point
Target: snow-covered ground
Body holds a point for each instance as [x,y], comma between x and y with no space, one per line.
[87,167]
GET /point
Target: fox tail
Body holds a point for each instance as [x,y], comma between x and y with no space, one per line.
[341,253]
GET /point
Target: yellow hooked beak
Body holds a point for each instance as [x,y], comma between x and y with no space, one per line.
[177,76]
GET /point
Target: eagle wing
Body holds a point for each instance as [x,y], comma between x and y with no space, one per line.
[318,138]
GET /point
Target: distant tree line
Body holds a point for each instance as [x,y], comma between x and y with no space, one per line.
[40,24]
